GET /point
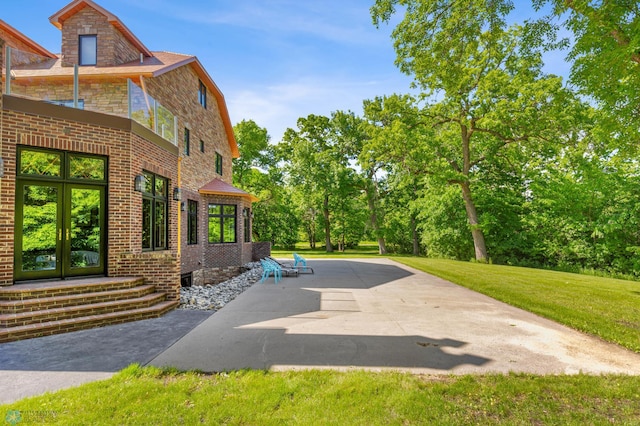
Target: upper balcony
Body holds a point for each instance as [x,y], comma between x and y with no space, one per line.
[41,78]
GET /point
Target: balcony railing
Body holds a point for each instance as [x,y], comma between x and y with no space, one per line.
[37,77]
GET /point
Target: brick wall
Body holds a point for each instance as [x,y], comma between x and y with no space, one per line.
[177,90]
[261,250]
[129,154]
[113,47]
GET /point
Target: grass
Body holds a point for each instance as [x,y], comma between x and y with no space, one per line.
[140,396]
[605,307]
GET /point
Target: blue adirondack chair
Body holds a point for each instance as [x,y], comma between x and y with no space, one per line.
[269,268]
[299,260]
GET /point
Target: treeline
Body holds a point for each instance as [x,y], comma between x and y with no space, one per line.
[491,159]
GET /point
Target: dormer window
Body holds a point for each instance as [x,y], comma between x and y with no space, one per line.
[88,50]
[202,94]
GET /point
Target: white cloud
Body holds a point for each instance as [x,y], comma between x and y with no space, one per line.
[278,106]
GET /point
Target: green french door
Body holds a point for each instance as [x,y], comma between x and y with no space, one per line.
[60,217]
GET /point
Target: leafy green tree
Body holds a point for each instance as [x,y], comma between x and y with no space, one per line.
[354,133]
[313,164]
[275,217]
[485,93]
[605,53]
[255,152]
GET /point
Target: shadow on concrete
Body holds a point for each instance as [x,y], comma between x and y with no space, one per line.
[257,329]
[246,333]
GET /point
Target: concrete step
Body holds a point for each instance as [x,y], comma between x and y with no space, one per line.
[63,301]
[21,332]
[76,311]
[68,287]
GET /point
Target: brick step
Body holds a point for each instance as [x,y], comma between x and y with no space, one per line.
[63,301]
[77,311]
[61,326]
[69,287]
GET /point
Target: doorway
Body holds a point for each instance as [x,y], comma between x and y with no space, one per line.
[60,220]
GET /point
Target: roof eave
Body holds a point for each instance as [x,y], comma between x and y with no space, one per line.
[26,40]
[248,196]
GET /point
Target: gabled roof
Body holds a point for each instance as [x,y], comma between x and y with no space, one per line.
[32,45]
[219,187]
[75,6]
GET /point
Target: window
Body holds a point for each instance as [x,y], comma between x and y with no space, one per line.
[155,209]
[201,146]
[192,222]
[246,214]
[222,223]
[202,94]
[88,50]
[187,137]
[186,279]
[218,164]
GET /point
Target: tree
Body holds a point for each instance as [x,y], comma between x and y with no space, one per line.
[484,89]
[354,133]
[313,163]
[255,152]
[605,52]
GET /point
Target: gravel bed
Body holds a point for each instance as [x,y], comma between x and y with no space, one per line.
[214,297]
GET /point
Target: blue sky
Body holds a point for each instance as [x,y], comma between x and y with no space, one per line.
[274,60]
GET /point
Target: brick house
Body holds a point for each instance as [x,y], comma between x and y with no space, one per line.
[115,164]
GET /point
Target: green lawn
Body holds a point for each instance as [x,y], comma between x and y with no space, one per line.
[605,307]
[139,396]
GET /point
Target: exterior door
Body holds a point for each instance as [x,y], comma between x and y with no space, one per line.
[38,230]
[83,217]
[60,223]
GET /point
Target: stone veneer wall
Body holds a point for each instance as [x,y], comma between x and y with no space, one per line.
[213,276]
[113,47]
[107,95]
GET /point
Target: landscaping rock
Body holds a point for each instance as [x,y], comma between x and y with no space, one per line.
[215,297]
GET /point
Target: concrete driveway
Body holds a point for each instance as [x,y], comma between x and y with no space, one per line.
[378,314]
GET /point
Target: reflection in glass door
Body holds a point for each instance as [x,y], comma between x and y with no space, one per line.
[83,230]
[38,230]
[60,222]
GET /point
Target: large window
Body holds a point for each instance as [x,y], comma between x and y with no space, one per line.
[222,223]
[192,222]
[155,209]
[88,50]
[202,94]
[218,163]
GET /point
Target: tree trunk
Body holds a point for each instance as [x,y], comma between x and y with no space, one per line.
[472,216]
[373,217]
[327,225]
[414,235]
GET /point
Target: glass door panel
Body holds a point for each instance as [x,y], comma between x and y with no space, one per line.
[84,230]
[38,230]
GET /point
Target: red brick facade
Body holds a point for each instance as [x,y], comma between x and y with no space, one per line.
[131,149]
